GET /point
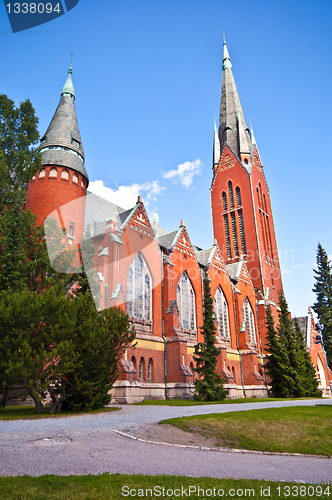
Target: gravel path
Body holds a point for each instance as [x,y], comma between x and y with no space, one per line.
[88,444]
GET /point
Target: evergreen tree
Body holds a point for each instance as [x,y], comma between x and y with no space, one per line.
[289,366]
[210,385]
[323,304]
[278,363]
[307,372]
[59,343]
[19,154]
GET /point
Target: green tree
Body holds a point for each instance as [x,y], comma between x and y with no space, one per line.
[278,363]
[59,343]
[19,154]
[210,385]
[323,304]
[289,366]
[306,370]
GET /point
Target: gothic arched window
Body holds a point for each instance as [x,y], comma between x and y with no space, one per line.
[249,319]
[221,313]
[139,290]
[185,297]
[53,172]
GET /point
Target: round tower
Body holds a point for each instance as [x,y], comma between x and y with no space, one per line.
[63,177]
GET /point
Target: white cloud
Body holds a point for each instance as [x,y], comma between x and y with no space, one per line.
[185,172]
[126,196]
[299,266]
[285,271]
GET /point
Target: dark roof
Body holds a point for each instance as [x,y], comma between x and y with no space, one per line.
[167,240]
[204,257]
[98,209]
[62,143]
[234,270]
[125,214]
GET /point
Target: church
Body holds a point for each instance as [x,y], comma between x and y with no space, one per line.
[156,276]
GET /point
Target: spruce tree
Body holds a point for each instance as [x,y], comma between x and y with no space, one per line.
[323,304]
[210,385]
[307,372]
[289,366]
[278,363]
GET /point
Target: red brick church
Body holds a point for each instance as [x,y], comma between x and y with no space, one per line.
[156,275]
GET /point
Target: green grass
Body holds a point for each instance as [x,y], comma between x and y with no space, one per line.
[29,412]
[299,429]
[109,487]
[191,402]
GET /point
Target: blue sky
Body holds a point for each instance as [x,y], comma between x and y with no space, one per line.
[147,76]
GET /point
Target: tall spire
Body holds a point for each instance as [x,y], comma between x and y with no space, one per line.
[61,145]
[226,61]
[68,88]
[232,124]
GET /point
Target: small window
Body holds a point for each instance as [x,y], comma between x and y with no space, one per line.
[42,173]
[224,201]
[53,172]
[150,369]
[133,360]
[75,178]
[82,184]
[71,230]
[141,369]
[238,196]
[65,174]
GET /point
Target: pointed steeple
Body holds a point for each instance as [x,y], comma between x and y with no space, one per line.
[216,146]
[61,145]
[68,88]
[232,123]
[156,218]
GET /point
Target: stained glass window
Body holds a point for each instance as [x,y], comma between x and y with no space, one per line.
[221,313]
[139,290]
[186,303]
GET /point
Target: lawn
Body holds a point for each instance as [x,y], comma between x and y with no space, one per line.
[120,486]
[29,412]
[296,429]
[191,402]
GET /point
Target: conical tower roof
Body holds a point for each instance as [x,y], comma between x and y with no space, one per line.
[232,124]
[62,144]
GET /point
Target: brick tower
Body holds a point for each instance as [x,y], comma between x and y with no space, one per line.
[241,206]
[63,178]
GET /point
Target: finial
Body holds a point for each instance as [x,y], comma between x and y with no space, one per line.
[71,63]
[68,88]
[182,224]
[215,242]
[139,199]
[155,217]
[226,61]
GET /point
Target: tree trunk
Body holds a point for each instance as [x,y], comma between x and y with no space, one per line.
[38,404]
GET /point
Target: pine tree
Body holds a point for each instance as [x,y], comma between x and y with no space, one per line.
[289,366]
[323,304]
[210,385]
[307,372]
[278,363]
